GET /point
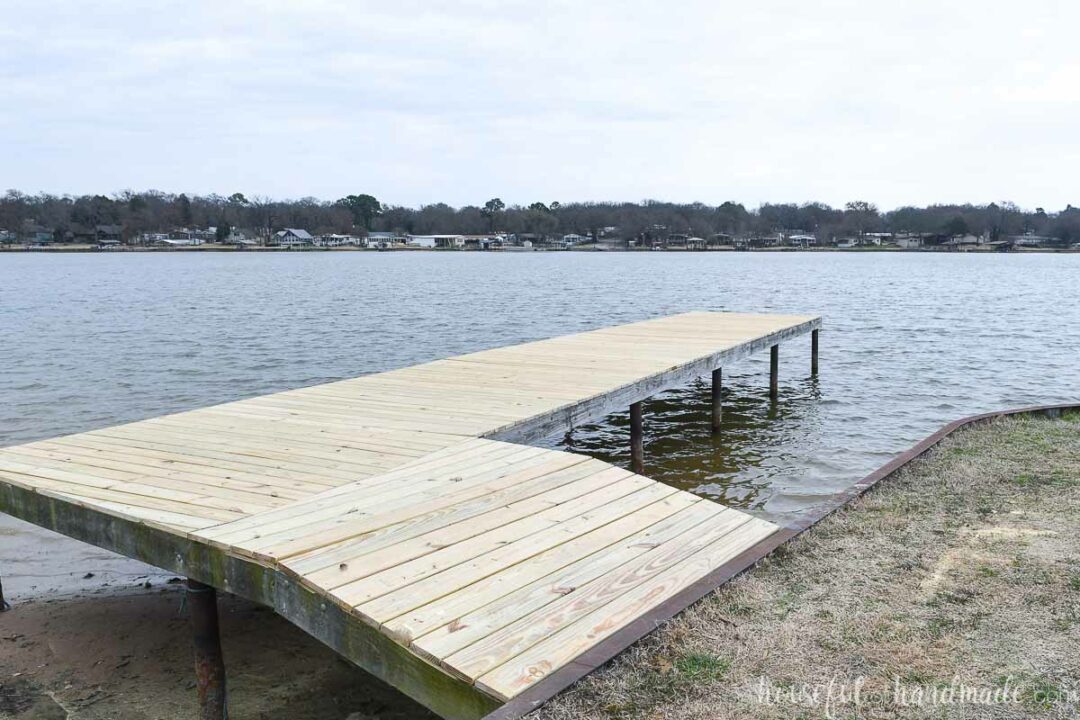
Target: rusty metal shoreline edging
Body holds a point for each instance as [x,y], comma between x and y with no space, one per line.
[584,664]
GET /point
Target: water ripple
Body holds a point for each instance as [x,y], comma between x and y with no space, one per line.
[911,341]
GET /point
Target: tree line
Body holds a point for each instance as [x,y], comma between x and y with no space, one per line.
[153,211]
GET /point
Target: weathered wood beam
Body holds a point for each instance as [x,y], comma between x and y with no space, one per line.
[814,351]
[324,620]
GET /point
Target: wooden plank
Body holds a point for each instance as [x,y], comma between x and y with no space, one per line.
[549,489]
[457,620]
[553,652]
[437,493]
[148,506]
[223,472]
[330,510]
[175,476]
[382,598]
[332,496]
[499,647]
[417,558]
[449,609]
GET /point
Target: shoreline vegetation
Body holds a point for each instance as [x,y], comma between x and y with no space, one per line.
[951,589]
[156,220]
[215,248]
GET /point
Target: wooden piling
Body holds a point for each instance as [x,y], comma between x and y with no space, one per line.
[4,607]
[774,372]
[637,443]
[813,351]
[717,405]
[209,664]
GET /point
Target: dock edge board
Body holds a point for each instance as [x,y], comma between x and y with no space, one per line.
[590,410]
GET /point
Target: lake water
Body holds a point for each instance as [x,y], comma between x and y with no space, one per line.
[910,342]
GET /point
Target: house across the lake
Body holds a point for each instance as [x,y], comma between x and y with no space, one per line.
[447,242]
[292,237]
[1031,240]
[336,240]
[35,234]
[384,239]
[483,242]
[909,241]
[696,243]
[108,234]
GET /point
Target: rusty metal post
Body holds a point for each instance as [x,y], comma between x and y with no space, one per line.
[209,665]
[774,372]
[4,607]
[637,444]
[717,405]
[813,351]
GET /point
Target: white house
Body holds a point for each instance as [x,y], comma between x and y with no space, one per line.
[292,237]
[455,242]
[877,238]
[335,240]
[575,239]
[238,237]
[1030,240]
[176,242]
[908,241]
[437,241]
[483,242]
[384,239]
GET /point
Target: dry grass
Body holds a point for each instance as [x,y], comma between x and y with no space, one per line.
[964,568]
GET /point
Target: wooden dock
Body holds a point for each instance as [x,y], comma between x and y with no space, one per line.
[398,518]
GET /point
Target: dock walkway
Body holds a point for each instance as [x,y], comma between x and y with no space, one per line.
[398,518]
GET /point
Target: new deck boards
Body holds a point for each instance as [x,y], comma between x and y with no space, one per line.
[469,565]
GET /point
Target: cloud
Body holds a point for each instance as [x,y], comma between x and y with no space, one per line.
[904,103]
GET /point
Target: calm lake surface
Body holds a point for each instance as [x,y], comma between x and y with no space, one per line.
[910,341]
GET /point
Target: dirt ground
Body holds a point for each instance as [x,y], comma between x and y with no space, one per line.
[128,656]
[951,591]
[962,573]
[116,645]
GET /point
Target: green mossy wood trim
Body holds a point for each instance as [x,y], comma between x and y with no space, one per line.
[347,635]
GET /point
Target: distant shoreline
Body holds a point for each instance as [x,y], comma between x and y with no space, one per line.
[214,248]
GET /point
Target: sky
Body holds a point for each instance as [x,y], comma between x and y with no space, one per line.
[897,103]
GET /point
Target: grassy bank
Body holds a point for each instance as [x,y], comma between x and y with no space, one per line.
[961,573]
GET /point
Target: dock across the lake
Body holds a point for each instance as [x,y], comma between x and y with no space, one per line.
[400,519]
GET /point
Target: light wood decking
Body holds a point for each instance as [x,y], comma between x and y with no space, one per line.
[390,517]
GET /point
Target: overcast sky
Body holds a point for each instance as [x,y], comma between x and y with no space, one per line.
[417,102]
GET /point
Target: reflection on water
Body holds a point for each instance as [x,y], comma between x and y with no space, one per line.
[910,341]
[735,465]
